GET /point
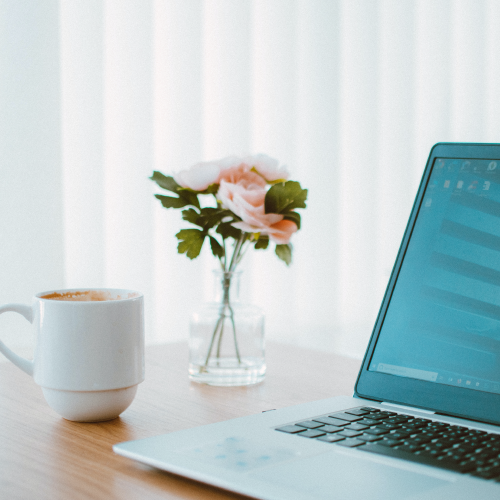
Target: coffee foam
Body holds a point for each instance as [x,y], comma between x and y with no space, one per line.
[86,296]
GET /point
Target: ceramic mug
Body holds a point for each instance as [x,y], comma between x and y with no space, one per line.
[89,353]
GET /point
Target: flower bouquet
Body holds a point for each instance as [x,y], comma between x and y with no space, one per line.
[254,204]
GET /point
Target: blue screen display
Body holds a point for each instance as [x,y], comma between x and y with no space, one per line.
[443,320]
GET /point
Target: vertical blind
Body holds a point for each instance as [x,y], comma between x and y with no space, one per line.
[350,94]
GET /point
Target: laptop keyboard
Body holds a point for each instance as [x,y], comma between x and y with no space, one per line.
[452,447]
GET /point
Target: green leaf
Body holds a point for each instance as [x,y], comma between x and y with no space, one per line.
[212,189]
[284,197]
[191,241]
[227,230]
[284,252]
[171,202]
[165,182]
[186,197]
[216,247]
[189,196]
[262,242]
[207,217]
[294,217]
[191,215]
[210,217]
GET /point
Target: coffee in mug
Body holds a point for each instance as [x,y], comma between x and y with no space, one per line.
[89,353]
[83,296]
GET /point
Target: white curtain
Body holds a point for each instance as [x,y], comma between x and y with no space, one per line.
[350,94]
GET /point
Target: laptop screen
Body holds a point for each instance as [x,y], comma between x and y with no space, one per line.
[436,342]
[443,321]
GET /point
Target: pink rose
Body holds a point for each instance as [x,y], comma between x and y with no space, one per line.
[243,192]
[243,176]
[199,176]
[280,232]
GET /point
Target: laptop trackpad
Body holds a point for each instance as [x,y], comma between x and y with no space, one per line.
[328,474]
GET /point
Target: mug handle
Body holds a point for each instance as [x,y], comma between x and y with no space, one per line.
[27,312]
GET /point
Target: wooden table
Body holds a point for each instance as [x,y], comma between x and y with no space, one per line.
[43,456]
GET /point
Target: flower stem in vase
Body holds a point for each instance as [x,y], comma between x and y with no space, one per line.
[235,336]
[217,355]
[220,324]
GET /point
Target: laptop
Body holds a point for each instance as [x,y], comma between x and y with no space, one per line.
[424,420]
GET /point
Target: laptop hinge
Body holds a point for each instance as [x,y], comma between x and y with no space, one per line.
[408,408]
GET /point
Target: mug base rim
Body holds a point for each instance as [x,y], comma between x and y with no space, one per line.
[90,406]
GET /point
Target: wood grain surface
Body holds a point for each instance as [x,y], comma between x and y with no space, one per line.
[43,456]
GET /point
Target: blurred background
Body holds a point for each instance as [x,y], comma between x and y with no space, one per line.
[350,94]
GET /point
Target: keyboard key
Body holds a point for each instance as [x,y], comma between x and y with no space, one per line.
[439,425]
[409,447]
[430,453]
[399,435]
[330,429]
[464,466]
[398,420]
[376,431]
[346,416]
[311,433]
[368,421]
[331,438]
[331,421]
[438,446]
[485,453]
[291,429]
[357,412]
[424,421]
[480,433]
[419,440]
[379,416]
[494,450]
[351,443]
[309,424]
[463,449]
[356,427]
[487,473]
[389,427]
[416,423]
[348,433]
[369,438]
[454,457]
[389,442]
[431,434]
[478,462]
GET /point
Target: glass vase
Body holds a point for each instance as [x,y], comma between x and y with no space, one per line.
[226,338]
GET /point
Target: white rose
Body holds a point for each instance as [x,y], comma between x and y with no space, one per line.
[267,167]
[199,176]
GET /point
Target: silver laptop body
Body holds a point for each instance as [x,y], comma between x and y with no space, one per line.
[424,422]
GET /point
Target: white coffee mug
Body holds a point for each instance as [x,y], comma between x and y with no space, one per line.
[89,353]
